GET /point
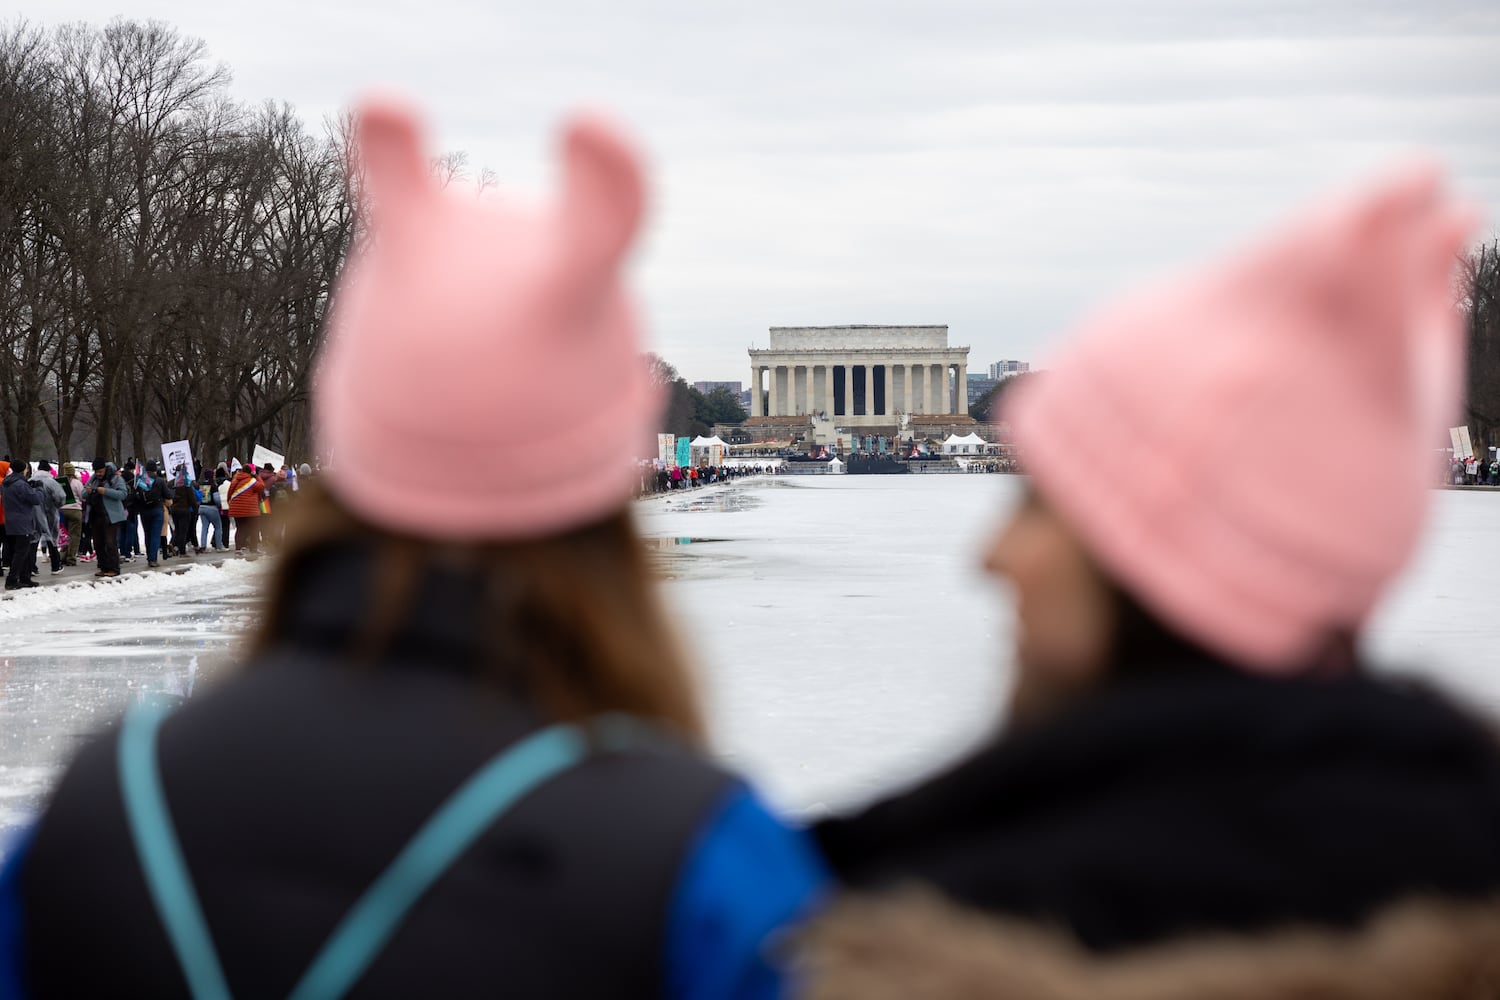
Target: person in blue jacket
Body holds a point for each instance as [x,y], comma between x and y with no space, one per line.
[463,756]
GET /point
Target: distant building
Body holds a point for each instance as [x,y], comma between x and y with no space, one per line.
[1002,370]
[707,387]
[859,376]
[979,385]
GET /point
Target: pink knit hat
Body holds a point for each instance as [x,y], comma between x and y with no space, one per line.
[492,341]
[1248,450]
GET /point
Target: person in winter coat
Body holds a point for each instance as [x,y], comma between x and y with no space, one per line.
[245,492]
[72,512]
[211,525]
[153,498]
[130,529]
[273,507]
[5,550]
[465,758]
[184,512]
[104,506]
[1201,790]
[22,499]
[49,513]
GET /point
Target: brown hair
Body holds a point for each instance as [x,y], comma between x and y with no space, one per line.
[578,613]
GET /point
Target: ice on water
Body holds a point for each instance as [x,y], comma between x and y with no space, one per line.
[72,658]
[846,639]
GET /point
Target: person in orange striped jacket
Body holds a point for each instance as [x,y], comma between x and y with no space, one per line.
[245,492]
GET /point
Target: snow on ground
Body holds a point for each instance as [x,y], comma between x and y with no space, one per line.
[846,640]
[73,600]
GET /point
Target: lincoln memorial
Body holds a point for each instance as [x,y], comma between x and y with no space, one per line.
[861,376]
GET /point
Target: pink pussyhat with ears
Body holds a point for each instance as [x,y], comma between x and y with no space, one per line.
[489,340]
[1248,450]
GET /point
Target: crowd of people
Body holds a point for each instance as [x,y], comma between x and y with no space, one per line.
[109,515]
[656,477]
[1473,472]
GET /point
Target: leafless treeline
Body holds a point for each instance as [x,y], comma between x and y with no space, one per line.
[1481,304]
[166,253]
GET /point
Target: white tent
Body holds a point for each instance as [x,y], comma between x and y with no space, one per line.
[835,466]
[969,444]
[711,450]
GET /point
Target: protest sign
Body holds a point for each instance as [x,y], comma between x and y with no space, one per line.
[177,453]
[266,457]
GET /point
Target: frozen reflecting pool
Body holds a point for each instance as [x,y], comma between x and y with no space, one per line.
[845,637]
[72,657]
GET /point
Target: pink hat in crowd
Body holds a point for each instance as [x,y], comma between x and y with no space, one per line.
[1248,450]
[490,339]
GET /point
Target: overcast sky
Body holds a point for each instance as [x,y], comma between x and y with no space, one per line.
[1000,167]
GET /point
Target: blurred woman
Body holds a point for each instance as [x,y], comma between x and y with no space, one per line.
[448,769]
[1202,791]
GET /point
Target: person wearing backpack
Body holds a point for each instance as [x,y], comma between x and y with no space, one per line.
[185,507]
[211,521]
[152,498]
[465,757]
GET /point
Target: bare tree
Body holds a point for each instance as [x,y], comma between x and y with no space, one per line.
[1480,301]
[167,255]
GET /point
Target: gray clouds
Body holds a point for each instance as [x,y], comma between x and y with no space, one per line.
[996,166]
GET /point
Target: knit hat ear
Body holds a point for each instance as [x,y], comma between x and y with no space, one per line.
[603,198]
[1438,349]
[392,152]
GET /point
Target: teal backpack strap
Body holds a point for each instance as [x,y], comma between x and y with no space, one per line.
[363,933]
[369,925]
[161,855]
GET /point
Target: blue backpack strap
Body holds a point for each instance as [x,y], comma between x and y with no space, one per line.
[370,924]
[161,858]
[472,809]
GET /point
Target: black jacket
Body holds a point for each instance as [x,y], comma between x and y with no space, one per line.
[184,501]
[1203,799]
[153,496]
[297,782]
[19,497]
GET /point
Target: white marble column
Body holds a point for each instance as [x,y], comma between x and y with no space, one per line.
[811,384]
[775,400]
[890,389]
[963,389]
[848,389]
[755,391]
[907,380]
